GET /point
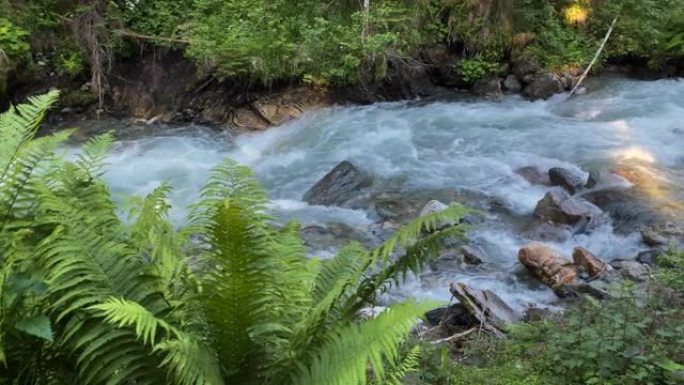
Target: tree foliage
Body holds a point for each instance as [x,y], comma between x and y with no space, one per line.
[89,299]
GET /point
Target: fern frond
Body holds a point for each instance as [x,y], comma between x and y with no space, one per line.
[19,124]
[408,363]
[344,360]
[93,153]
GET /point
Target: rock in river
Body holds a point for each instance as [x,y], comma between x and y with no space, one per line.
[559,208]
[547,265]
[588,262]
[338,186]
[570,180]
[543,87]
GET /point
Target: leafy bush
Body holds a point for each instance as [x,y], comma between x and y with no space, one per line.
[13,43]
[476,68]
[89,299]
[637,338]
[671,271]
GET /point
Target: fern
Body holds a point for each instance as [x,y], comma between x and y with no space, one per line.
[230,298]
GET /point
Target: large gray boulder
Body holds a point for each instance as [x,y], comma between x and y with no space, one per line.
[340,185]
[543,87]
[511,83]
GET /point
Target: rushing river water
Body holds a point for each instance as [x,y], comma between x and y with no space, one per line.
[466,145]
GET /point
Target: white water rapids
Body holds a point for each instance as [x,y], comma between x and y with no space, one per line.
[471,145]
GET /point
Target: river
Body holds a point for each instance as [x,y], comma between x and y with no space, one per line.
[472,146]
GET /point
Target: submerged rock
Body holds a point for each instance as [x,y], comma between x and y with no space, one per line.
[570,180]
[547,265]
[628,209]
[340,185]
[473,255]
[542,231]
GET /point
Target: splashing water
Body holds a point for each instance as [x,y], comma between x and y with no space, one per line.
[464,145]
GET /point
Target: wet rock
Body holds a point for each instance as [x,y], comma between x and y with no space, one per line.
[335,235]
[489,87]
[650,257]
[525,69]
[338,186]
[588,262]
[543,231]
[570,180]
[633,270]
[473,255]
[652,238]
[559,208]
[433,206]
[628,208]
[534,175]
[547,265]
[512,83]
[485,306]
[593,179]
[543,87]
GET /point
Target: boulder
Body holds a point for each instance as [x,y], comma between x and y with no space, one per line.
[547,265]
[486,307]
[533,175]
[488,86]
[559,208]
[512,83]
[433,206]
[543,87]
[526,69]
[455,317]
[570,180]
[633,270]
[473,255]
[588,262]
[338,186]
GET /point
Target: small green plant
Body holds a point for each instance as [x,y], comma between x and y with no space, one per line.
[476,68]
[13,43]
[70,63]
[671,271]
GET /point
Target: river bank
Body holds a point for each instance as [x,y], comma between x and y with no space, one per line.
[161,85]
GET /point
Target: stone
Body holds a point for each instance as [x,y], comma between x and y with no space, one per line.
[367,313]
[593,179]
[652,238]
[543,87]
[570,180]
[455,316]
[633,270]
[533,175]
[588,262]
[629,209]
[543,231]
[473,255]
[547,265]
[526,69]
[512,83]
[650,257]
[488,86]
[433,206]
[338,186]
[486,307]
[559,208]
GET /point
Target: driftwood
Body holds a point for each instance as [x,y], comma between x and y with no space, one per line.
[485,306]
[596,56]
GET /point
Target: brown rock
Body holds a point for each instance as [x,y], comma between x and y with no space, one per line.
[653,238]
[547,265]
[587,261]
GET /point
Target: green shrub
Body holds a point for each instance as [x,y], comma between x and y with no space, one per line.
[637,338]
[476,68]
[13,44]
[70,62]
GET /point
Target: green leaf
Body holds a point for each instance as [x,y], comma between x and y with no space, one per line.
[38,326]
